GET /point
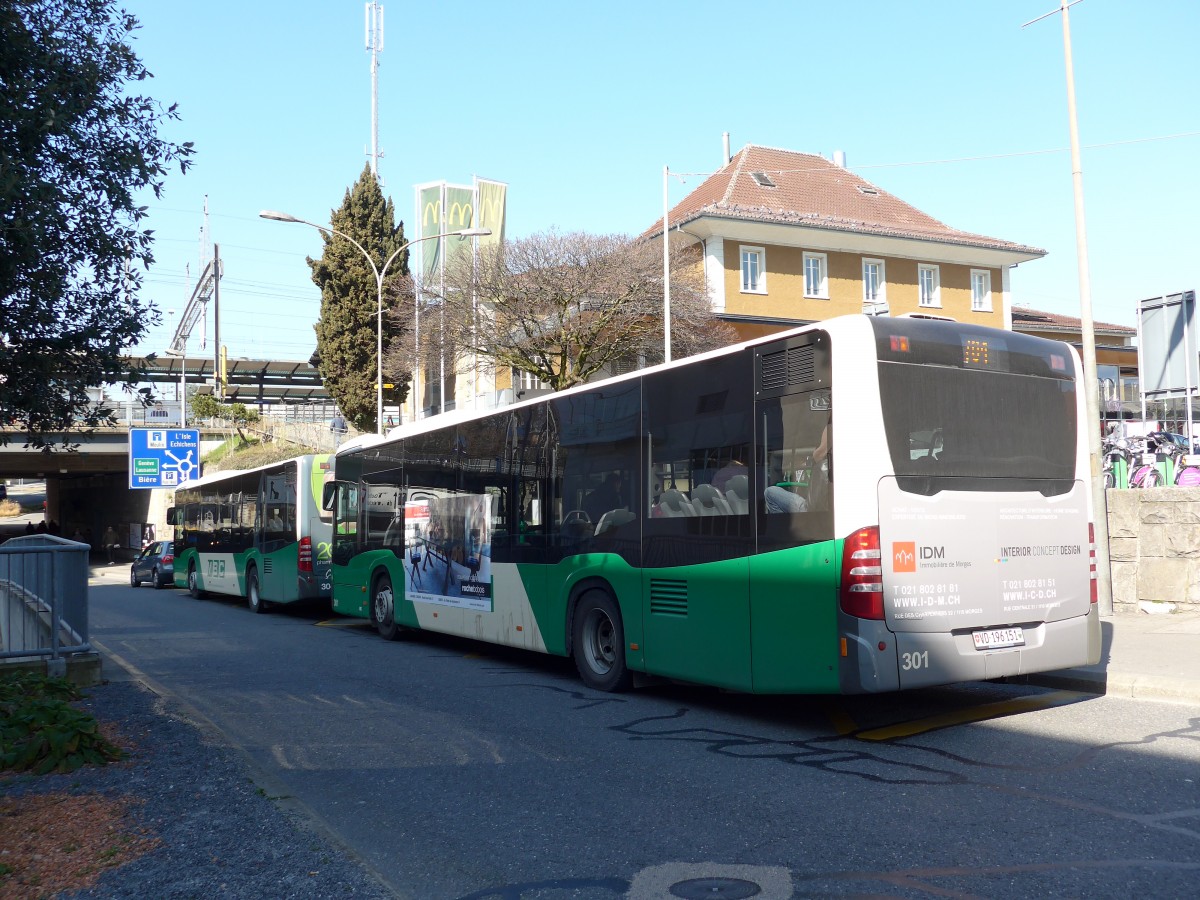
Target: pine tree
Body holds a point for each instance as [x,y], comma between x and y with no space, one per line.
[346,331]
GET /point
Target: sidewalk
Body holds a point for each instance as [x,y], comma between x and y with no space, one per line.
[1144,656]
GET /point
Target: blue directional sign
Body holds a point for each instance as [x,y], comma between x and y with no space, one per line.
[163,457]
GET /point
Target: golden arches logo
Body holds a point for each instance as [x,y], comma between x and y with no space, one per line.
[432,213]
[460,216]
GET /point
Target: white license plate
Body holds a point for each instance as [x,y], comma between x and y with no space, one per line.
[998,637]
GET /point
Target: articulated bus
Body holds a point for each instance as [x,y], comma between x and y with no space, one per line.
[257,533]
[860,505]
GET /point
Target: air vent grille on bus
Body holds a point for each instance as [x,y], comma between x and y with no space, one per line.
[788,368]
[266,564]
[668,598]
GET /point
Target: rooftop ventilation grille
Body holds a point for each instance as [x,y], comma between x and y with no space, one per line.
[762,179]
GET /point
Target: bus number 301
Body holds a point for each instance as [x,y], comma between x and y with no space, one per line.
[914,660]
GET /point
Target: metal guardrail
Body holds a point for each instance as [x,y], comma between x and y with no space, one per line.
[43,597]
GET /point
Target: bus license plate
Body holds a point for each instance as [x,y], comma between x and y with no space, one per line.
[998,637]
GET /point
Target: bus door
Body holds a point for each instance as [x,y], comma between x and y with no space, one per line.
[697,533]
[794,574]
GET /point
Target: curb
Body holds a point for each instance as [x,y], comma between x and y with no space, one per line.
[1127,685]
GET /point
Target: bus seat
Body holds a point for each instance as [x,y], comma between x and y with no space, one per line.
[672,504]
[737,495]
[707,501]
[613,519]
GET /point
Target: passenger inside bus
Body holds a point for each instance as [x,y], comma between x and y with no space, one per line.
[808,488]
[275,523]
[603,498]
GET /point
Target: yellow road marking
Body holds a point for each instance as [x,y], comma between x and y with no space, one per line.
[971,714]
[841,721]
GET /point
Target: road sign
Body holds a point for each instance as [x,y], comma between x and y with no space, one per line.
[163,457]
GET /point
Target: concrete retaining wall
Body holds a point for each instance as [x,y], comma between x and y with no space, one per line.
[1154,544]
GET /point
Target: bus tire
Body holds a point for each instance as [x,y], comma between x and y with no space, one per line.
[598,643]
[193,582]
[253,594]
[383,608]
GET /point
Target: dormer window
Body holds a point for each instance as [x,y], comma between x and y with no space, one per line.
[762,179]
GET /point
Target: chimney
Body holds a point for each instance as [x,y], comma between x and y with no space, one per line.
[725,144]
[839,158]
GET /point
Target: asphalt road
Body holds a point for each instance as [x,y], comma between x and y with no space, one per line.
[462,770]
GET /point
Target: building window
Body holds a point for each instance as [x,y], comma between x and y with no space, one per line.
[527,381]
[929,281]
[816,278]
[874,286]
[981,290]
[754,270]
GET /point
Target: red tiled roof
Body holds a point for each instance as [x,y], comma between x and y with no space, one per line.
[812,191]
[1035,318]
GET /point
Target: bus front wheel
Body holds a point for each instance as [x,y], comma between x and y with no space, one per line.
[598,643]
[193,582]
[253,594]
[383,609]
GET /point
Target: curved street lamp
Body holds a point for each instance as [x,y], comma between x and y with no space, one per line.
[277,216]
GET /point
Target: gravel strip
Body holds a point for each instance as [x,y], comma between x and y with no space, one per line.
[222,836]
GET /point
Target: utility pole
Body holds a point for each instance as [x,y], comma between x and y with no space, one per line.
[1091,383]
[374,16]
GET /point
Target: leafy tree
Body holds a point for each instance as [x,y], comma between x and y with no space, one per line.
[76,151]
[567,307]
[346,331]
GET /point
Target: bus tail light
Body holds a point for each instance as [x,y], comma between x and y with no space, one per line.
[304,563]
[861,591]
[1093,575]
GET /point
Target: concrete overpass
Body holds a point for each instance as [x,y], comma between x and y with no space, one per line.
[88,487]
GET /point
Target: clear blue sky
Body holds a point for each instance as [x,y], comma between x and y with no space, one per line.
[949,104]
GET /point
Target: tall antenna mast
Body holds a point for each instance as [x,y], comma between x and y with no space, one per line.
[374,13]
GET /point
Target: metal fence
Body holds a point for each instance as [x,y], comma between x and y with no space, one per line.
[43,597]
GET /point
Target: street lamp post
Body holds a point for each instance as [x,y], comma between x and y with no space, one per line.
[379,273]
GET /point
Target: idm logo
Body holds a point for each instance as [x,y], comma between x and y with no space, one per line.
[904,556]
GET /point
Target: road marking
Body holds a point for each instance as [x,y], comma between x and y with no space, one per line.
[343,623]
[841,721]
[973,714]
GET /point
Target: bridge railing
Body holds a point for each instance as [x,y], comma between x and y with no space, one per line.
[43,597]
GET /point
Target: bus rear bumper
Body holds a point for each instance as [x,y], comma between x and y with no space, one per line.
[876,660]
[927,659]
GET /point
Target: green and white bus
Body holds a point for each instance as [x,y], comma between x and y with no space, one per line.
[685,520]
[256,533]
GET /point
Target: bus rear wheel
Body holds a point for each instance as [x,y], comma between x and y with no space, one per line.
[253,594]
[383,609]
[598,643]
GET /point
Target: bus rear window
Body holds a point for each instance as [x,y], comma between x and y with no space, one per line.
[947,421]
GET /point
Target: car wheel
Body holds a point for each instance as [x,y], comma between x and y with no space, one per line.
[133,579]
[158,580]
[599,643]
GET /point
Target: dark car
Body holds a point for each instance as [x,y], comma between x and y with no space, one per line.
[155,564]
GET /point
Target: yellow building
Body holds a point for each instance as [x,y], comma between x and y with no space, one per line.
[790,238]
